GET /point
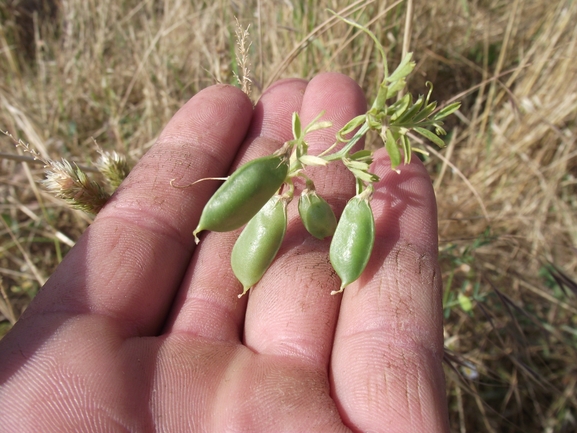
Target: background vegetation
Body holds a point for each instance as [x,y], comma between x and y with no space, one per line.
[116,71]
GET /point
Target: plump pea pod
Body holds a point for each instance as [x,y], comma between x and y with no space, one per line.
[244,193]
[316,214]
[353,240]
[257,245]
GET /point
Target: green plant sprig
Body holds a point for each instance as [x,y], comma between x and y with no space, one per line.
[245,192]
[256,195]
[392,122]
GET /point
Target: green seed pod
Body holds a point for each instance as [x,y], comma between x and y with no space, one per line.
[316,214]
[353,240]
[257,245]
[244,193]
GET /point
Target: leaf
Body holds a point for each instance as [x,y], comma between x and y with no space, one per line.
[315,124]
[357,165]
[406,148]
[392,148]
[375,119]
[382,95]
[439,130]
[362,155]
[351,126]
[365,176]
[313,161]
[421,151]
[399,107]
[425,112]
[404,69]
[319,125]
[431,136]
[395,87]
[408,115]
[297,128]
[446,111]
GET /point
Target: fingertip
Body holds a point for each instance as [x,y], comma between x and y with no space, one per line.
[329,79]
[286,83]
[131,261]
[404,203]
[218,102]
[389,332]
[339,97]
[272,112]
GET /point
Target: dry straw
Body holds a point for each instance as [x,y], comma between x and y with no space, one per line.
[505,184]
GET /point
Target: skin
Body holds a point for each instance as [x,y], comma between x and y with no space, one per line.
[139,329]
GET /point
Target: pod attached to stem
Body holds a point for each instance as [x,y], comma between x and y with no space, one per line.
[259,242]
[244,193]
[353,240]
[316,214]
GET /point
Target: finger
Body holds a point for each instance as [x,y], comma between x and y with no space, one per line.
[291,311]
[386,361]
[130,261]
[208,305]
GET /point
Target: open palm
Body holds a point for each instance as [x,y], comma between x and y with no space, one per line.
[140,330]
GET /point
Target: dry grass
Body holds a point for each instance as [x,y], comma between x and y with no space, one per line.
[117,70]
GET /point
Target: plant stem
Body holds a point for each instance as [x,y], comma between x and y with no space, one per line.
[345,150]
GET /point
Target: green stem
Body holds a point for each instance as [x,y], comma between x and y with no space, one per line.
[345,150]
[371,35]
[289,194]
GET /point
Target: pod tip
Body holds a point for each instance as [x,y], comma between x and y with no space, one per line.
[194,233]
[245,289]
[336,292]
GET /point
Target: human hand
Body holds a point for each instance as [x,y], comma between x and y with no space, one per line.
[140,330]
